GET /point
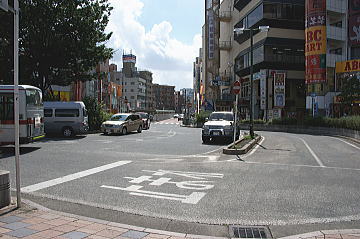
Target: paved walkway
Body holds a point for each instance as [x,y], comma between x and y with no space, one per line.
[32,223]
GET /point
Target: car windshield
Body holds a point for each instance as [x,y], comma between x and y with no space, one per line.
[221,116]
[118,118]
[144,115]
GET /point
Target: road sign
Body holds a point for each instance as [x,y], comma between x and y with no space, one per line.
[236,87]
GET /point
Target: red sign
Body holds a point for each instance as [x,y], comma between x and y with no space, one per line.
[236,87]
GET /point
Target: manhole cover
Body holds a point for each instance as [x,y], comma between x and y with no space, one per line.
[249,232]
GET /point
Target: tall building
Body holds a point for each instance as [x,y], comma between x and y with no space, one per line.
[137,92]
[332,42]
[164,97]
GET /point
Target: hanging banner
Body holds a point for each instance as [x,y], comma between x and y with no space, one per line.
[279,90]
[315,41]
[354,23]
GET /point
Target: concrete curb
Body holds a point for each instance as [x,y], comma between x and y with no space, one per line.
[246,148]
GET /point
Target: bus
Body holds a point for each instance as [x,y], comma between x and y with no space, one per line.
[31,114]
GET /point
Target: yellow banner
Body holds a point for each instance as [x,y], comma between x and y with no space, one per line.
[315,40]
[347,66]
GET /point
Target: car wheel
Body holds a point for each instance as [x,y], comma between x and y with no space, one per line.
[205,139]
[124,131]
[139,129]
[105,133]
[67,132]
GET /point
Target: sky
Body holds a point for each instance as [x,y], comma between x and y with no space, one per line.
[165,36]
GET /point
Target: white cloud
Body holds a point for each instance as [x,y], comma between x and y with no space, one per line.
[169,59]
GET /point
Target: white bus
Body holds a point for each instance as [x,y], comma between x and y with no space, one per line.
[31,114]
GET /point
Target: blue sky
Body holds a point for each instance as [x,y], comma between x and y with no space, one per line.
[186,16]
[165,35]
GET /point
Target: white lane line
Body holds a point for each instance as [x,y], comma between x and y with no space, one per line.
[349,143]
[312,153]
[70,177]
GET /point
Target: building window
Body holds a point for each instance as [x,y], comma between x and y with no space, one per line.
[337,51]
[132,90]
[255,16]
[283,11]
[132,83]
[355,52]
[132,97]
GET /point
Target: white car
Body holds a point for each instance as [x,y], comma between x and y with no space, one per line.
[219,126]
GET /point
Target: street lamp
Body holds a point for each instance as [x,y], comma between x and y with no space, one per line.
[238,31]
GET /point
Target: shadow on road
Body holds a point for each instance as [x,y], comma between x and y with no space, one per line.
[10,151]
[56,138]
[263,147]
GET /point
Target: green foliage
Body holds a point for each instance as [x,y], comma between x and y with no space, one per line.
[284,121]
[96,114]
[256,121]
[200,118]
[60,41]
[350,122]
[350,90]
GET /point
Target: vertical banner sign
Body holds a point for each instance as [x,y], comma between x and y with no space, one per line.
[262,89]
[354,23]
[211,32]
[279,90]
[315,41]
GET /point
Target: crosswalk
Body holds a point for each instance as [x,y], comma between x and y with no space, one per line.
[173,123]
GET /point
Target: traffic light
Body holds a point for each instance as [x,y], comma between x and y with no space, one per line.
[4,4]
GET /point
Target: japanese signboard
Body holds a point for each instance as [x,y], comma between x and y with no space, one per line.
[315,41]
[354,22]
[211,33]
[347,66]
[279,90]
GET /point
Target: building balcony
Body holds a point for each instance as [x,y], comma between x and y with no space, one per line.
[336,33]
[331,59]
[225,45]
[338,6]
[225,16]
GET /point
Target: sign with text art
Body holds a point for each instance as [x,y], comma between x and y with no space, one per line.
[279,90]
[315,41]
[354,22]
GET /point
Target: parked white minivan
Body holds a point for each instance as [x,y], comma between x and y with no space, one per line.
[66,118]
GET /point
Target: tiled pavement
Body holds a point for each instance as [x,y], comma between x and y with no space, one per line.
[42,224]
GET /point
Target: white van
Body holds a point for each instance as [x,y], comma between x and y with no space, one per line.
[66,118]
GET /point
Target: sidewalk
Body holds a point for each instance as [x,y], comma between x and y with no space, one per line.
[41,223]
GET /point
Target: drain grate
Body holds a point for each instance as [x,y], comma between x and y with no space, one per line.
[249,232]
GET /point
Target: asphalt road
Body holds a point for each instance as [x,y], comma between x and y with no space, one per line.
[166,172]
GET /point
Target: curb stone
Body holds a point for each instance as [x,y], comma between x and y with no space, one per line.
[246,148]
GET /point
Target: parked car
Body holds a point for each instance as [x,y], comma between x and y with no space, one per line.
[66,118]
[180,117]
[122,123]
[146,120]
[176,116]
[219,126]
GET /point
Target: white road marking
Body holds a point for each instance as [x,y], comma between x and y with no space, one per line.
[301,165]
[349,143]
[193,198]
[71,177]
[312,153]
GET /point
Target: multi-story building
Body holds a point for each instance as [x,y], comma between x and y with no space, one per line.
[164,97]
[137,92]
[278,57]
[198,84]
[178,101]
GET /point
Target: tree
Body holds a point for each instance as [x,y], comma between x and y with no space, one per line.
[61,41]
[350,90]
[96,113]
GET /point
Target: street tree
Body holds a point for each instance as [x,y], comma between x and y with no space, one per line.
[60,41]
[350,90]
